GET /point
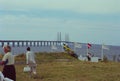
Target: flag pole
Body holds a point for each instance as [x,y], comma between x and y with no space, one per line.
[102,52]
[87,50]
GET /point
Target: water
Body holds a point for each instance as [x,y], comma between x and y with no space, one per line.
[112,53]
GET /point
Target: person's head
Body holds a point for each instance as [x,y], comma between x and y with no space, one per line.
[7,48]
[28,48]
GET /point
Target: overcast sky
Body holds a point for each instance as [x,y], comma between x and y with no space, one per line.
[86,21]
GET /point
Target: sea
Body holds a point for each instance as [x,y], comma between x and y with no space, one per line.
[112,54]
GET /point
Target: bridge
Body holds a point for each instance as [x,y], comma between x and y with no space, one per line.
[22,43]
[19,46]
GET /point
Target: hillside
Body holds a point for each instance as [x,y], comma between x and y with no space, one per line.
[62,67]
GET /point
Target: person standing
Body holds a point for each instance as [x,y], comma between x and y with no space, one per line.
[30,61]
[8,63]
[89,56]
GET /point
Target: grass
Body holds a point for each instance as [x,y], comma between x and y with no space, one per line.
[49,68]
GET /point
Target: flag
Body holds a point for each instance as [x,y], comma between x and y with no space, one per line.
[105,47]
[77,45]
[89,45]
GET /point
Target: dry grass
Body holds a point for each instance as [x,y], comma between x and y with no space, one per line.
[49,69]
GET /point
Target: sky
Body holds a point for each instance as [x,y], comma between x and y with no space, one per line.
[85,21]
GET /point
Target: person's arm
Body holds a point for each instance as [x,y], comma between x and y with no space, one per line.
[35,56]
[27,58]
[4,60]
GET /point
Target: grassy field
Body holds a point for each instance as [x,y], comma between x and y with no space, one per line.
[62,67]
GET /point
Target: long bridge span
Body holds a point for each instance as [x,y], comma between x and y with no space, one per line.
[17,43]
[19,46]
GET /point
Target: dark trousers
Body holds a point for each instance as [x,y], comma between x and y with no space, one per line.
[89,59]
[9,72]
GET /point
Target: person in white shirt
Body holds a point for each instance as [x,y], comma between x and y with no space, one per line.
[8,63]
[30,61]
